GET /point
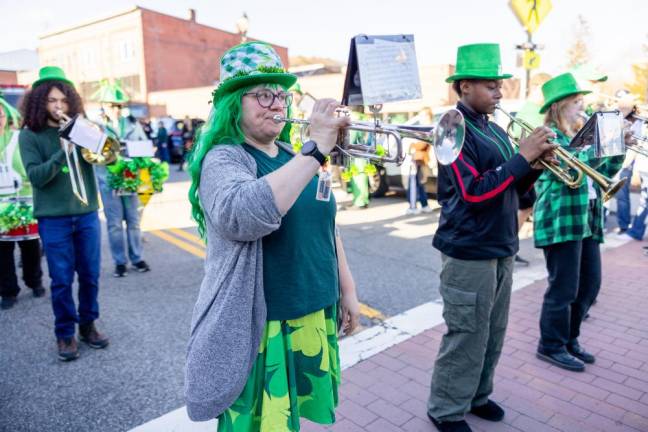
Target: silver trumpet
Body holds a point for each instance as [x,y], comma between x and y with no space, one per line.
[446,138]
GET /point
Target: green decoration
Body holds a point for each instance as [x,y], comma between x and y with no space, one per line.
[16,215]
[124,174]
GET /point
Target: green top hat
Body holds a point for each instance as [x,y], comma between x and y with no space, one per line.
[111,93]
[251,63]
[478,61]
[51,73]
[559,88]
[586,71]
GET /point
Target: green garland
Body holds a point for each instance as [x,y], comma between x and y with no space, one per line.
[123,175]
[16,215]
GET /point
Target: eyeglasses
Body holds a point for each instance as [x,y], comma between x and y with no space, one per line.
[266,98]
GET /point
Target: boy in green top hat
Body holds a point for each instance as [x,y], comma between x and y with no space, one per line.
[29,249]
[69,230]
[477,235]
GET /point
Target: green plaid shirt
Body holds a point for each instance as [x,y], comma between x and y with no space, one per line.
[561,213]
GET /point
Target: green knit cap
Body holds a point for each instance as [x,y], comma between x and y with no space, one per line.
[478,61]
[251,63]
[559,88]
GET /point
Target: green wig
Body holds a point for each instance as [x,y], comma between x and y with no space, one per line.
[222,128]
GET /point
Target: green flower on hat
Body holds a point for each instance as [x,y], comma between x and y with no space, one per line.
[51,73]
[559,88]
[251,63]
[478,61]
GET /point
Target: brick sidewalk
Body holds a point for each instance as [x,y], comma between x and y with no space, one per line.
[388,392]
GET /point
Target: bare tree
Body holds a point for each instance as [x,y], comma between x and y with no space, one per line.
[578,53]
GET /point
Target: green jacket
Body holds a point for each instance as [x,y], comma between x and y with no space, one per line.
[561,213]
[46,167]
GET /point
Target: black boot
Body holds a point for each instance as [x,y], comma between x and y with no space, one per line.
[489,411]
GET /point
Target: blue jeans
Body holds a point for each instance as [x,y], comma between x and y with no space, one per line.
[118,209]
[417,188]
[638,228]
[72,244]
[623,200]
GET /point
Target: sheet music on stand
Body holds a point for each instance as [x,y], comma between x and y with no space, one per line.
[604,132]
[381,69]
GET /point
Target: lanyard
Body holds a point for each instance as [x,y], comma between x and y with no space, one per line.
[509,152]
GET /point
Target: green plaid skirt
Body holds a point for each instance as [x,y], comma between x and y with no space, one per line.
[296,374]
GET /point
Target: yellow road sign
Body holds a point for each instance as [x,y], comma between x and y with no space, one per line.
[531,59]
[530,13]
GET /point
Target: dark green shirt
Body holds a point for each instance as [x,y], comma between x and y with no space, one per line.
[44,160]
[300,273]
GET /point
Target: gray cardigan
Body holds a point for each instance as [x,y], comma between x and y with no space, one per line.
[230,313]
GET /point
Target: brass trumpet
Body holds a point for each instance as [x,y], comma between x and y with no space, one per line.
[446,139]
[608,186]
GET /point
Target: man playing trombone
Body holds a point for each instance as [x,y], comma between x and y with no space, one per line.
[69,229]
[477,237]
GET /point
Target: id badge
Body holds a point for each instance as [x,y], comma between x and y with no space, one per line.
[324,186]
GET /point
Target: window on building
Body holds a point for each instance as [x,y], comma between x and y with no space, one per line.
[126,49]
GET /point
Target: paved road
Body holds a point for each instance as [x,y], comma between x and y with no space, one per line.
[139,377]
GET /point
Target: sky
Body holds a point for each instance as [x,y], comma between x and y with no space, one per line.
[325,28]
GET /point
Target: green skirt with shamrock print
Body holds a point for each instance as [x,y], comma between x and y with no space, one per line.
[296,374]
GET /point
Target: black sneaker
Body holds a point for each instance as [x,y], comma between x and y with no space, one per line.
[577,351]
[8,302]
[67,349]
[120,270]
[142,267]
[563,360]
[451,426]
[489,411]
[39,291]
[521,261]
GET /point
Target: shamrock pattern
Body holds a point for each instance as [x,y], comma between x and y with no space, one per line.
[296,374]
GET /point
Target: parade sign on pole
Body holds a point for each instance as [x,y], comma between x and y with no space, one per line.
[530,13]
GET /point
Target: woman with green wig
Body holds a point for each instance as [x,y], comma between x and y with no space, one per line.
[14,214]
[263,350]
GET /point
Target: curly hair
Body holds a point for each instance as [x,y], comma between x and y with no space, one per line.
[34,111]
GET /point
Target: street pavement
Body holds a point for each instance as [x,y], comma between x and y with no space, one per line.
[139,377]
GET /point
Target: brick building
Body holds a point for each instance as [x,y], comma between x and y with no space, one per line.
[147,50]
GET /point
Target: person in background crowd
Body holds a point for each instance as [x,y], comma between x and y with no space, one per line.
[162,143]
[420,151]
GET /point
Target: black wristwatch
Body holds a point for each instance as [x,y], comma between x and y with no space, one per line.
[309,148]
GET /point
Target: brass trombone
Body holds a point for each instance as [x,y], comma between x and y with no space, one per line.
[446,140]
[608,186]
[107,155]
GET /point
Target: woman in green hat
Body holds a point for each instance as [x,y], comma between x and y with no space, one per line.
[12,212]
[263,350]
[568,226]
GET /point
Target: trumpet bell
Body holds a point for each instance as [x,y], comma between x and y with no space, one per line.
[449,137]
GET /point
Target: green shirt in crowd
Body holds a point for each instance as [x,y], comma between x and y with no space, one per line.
[44,160]
[300,272]
[563,214]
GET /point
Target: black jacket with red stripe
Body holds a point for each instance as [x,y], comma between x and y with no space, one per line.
[479,194]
